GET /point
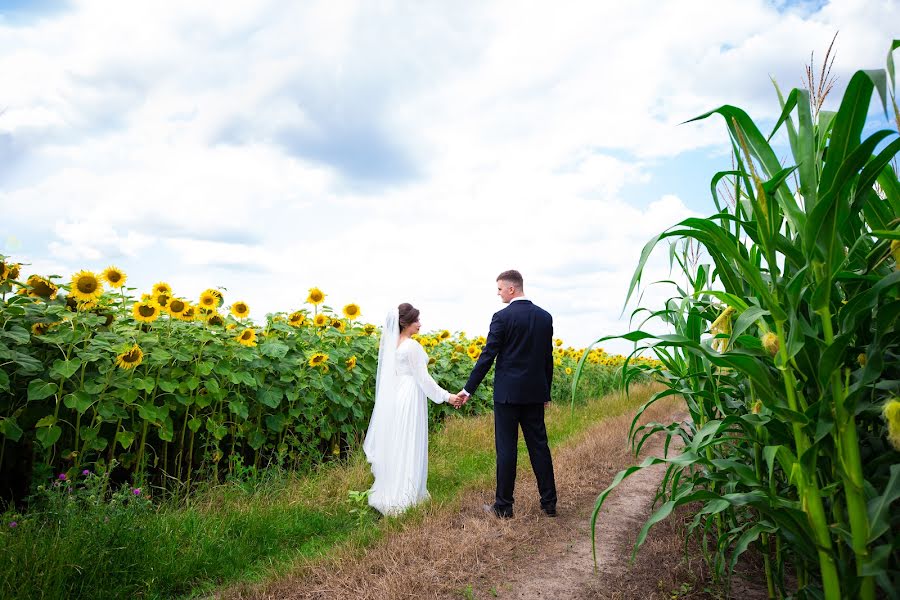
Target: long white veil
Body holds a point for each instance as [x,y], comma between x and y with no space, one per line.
[378,437]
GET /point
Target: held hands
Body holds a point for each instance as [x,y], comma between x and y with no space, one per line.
[458,400]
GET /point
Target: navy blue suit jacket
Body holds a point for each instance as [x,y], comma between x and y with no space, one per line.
[521,340]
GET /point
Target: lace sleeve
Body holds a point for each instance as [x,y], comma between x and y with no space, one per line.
[419,363]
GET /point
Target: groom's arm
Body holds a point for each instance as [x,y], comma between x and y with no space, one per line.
[488,354]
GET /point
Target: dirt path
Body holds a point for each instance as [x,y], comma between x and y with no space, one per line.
[462,553]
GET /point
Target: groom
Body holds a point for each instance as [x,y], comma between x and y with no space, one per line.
[521,339]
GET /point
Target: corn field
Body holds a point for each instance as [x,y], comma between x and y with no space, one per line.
[784,346]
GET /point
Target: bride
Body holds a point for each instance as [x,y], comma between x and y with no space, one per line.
[397,440]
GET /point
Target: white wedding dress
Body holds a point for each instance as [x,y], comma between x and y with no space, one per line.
[396,443]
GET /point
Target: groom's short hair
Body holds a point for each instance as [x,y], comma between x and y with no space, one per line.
[513,277]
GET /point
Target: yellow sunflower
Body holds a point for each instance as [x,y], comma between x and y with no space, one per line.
[318,359]
[473,352]
[240,310]
[247,338]
[9,271]
[189,314]
[40,287]
[130,358]
[114,276]
[321,320]
[162,288]
[176,307]
[568,370]
[444,334]
[162,299]
[209,300]
[369,329]
[297,319]
[558,342]
[146,311]
[351,363]
[41,328]
[316,296]
[339,325]
[351,311]
[215,320]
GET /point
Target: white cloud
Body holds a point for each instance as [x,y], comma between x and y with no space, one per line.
[386,152]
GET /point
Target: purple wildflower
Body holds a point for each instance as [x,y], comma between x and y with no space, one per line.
[62,476]
[85,472]
[13,524]
[136,491]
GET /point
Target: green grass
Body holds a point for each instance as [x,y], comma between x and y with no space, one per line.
[75,548]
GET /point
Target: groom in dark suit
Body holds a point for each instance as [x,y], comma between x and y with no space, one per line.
[521,340]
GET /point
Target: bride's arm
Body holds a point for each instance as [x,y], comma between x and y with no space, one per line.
[426,383]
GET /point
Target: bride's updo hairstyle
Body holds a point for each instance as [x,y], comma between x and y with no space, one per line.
[409,314]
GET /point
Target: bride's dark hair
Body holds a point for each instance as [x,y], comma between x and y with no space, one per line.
[409,314]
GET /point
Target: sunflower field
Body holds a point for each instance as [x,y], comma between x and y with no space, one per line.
[171,390]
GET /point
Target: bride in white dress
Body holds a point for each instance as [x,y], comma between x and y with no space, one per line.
[397,440]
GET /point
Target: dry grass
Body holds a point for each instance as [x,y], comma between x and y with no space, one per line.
[449,548]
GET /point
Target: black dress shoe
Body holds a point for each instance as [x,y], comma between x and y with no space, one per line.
[550,511]
[500,514]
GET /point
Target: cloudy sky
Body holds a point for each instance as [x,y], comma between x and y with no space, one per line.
[388,151]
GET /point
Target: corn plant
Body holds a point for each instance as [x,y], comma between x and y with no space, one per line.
[784,346]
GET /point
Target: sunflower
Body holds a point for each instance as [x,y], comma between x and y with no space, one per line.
[247,338]
[321,320]
[240,310]
[114,277]
[316,296]
[351,311]
[209,300]
[351,363]
[473,352]
[318,359]
[369,329]
[189,314]
[162,299]
[215,320]
[444,334]
[176,307]
[568,370]
[146,311]
[9,271]
[41,328]
[162,288]
[40,287]
[558,342]
[297,319]
[339,325]
[130,358]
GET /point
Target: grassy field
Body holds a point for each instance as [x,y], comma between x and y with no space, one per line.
[248,529]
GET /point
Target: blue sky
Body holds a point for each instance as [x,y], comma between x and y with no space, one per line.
[388,152]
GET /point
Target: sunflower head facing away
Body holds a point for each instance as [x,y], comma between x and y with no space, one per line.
[297,319]
[215,320]
[240,309]
[321,320]
[318,359]
[316,296]
[130,358]
[114,277]
[351,311]
[146,311]
[9,270]
[40,287]
[247,338]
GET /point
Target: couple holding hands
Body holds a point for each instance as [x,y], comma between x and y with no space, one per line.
[396,444]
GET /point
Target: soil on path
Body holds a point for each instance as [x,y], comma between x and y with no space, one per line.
[465,553]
